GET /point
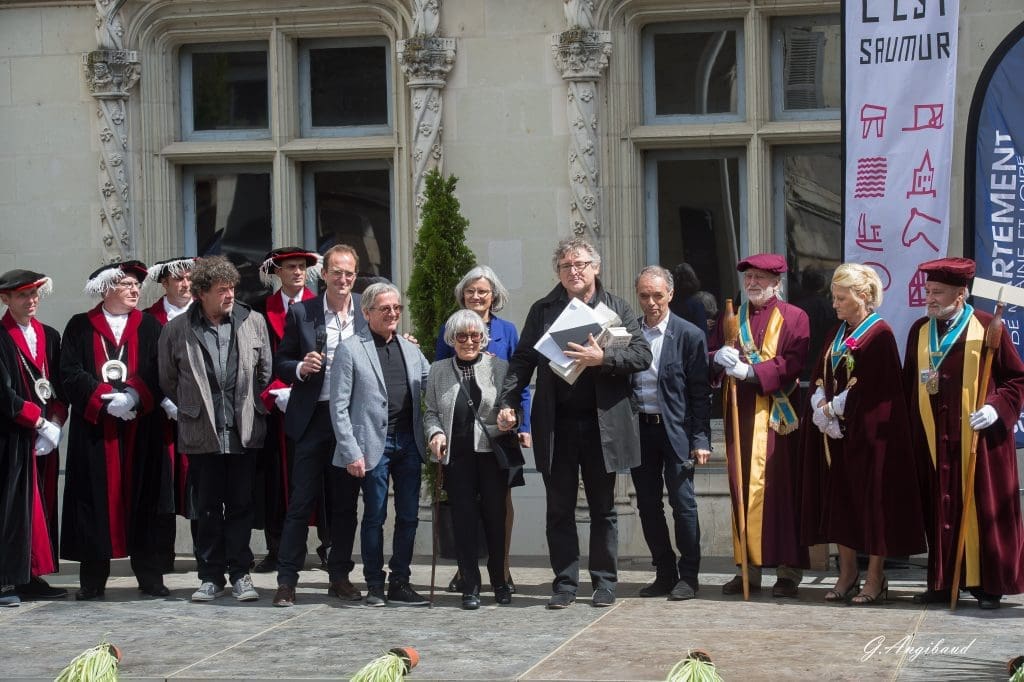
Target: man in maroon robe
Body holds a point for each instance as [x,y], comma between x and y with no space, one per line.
[117,500]
[291,266]
[31,414]
[765,364]
[942,427]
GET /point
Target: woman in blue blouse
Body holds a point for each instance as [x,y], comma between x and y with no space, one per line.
[481,291]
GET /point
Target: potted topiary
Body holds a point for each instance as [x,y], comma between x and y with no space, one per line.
[98,664]
[391,666]
[696,667]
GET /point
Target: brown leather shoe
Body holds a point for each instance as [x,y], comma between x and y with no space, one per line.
[344,590]
[735,586]
[784,587]
[285,596]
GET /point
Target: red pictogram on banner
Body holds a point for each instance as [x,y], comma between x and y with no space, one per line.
[927,117]
[915,290]
[924,178]
[868,235]
[918,226]
[883,273]
[872,116]
[871,176]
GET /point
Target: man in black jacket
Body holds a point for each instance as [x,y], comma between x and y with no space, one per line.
[587,427]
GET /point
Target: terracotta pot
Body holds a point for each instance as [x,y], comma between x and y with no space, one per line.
[1014,664]
[116,652]
[409,656]
[699,655]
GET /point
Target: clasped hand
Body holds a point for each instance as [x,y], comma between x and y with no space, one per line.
[120,405]
[589,355]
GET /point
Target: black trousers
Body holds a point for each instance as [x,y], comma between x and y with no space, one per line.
[311,470]
[477,489]
[225,507]
[660,468]
[152,555]
[577,450]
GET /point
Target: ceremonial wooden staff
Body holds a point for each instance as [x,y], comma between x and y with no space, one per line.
[436,510]
[730,335]
[993,334]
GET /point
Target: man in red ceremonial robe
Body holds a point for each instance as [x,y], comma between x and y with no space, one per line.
[31,414]
[291,266]
[942,426]
[117,500]
[174,276]
[766,364]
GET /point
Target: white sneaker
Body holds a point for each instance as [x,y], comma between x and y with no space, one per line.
[243,590]
[207,592]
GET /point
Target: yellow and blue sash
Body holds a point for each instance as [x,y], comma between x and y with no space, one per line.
[783,417]
[838,343]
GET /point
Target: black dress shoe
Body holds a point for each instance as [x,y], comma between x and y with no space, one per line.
[267,564]
[470,602]
[89,593]
[456,584]
[321,552]
[784,587]
[503,594]
[511,585]
[932,597]
[155,590]
[37,588]
[986,600]
[682,591]
[661,587]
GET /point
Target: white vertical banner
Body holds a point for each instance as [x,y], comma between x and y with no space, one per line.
[900,67]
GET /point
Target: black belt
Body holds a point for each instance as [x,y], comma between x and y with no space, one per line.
[651,418]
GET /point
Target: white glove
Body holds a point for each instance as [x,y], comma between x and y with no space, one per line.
[740,370]
[727,356]
[281,397]
[839,403]
[50,432]
[833,430]
[120,405]
[44,445]
[818,397]
[170,408]
[984,418]
[439,448]
[819,419]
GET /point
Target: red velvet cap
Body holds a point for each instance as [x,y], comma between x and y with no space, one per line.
[956,272]
[769,262]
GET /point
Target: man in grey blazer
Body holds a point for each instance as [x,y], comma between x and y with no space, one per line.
[313,331]
[674,397]
[377,382]
[214,363]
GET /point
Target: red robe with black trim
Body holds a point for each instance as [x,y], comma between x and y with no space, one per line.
[996,483]
[28,484]
[114,485]
[779,539]
[176,462]
[272,492]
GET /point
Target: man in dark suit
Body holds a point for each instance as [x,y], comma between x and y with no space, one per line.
[313,331]
[674,397]
[586,428]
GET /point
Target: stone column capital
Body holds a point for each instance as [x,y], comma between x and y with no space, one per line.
[426,60]
[581,54]
[111,74]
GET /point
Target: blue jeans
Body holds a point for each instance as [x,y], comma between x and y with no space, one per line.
[401,462]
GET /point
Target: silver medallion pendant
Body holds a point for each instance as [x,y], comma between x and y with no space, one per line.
[43,389]
[114,371]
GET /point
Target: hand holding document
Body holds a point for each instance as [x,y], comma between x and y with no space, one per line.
[580,324]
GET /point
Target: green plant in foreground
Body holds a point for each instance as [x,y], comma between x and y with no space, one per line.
[98,664]
[696,667]
[388,667]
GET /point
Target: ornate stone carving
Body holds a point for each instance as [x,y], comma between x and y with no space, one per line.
[581,54]
[426,60]
[111,72]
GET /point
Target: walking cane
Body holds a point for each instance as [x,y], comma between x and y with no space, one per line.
[993,334]
[731,333]
[436,511]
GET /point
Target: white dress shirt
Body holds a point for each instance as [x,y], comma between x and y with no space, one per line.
[645,383]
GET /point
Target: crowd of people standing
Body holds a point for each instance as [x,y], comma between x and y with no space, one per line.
[280,417]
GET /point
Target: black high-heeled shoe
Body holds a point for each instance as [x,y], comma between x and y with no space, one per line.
[834,595]
[503,594]
[864,599]
[470,602]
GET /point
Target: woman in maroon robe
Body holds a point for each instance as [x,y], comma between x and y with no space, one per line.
[860,484]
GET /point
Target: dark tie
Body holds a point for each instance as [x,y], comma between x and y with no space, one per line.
[290,301]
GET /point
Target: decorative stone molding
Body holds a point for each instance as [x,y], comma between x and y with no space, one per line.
[581,54]
[426,60]
[111,72]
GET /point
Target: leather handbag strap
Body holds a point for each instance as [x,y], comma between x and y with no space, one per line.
[497,449]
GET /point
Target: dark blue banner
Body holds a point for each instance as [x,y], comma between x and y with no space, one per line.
[997,230]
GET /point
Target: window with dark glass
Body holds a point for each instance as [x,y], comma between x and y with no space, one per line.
[806,67]
[344,87]
[228,90]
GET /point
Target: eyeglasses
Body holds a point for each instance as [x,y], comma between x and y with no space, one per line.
[463,337]
[578,266]
[482,293]
[128,286]
[388,309]
[347,274]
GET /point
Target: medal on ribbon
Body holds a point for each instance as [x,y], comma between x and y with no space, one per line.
[938,348]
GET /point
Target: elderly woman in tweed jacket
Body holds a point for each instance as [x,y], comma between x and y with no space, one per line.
[462,393]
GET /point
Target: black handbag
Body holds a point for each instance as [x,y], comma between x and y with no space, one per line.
[505,446]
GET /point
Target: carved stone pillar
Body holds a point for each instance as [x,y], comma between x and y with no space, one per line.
[581,54]
[111,72]
[426,60]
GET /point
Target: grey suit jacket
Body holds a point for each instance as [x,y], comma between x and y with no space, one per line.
[183,379]
[443,391]
[359,400]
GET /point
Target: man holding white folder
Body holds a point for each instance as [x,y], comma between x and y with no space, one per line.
[587,427]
